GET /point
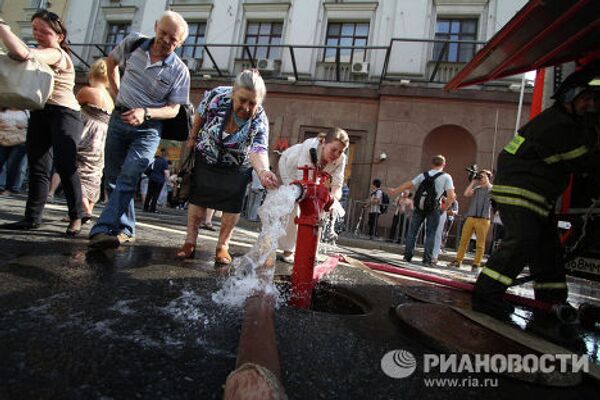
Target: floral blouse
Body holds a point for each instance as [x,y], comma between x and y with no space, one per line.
[229,150]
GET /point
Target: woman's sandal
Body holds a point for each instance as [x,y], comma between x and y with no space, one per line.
[74,228]
[208,227]
[188,250]
[223,257]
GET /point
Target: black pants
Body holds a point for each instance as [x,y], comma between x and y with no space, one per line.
[530,240]
[373,217]
[154,189]
[397,227]
[52,136]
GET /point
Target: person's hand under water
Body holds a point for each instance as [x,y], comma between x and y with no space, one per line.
[268,179]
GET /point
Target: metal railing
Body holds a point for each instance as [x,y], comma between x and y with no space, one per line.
[336,70]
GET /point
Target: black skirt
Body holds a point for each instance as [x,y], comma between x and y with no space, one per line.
[220,188]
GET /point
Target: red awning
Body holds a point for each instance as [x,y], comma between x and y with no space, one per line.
[543,33]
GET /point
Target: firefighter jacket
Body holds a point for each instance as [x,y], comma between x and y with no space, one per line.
[534,167]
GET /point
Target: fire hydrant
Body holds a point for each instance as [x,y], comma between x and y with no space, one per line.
[314,198]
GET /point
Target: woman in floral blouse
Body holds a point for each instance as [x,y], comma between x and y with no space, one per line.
[230,136]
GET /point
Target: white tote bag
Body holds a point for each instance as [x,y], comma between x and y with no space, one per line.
[25,85]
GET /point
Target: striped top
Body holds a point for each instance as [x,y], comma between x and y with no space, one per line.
[150,85]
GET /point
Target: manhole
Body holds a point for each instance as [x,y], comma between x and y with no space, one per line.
[329,298]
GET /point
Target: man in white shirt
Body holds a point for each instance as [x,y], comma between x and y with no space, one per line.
[431,217]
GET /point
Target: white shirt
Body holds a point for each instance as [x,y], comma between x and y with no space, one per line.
[298,155]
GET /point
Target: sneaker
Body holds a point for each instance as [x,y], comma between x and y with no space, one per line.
[104,241]
[428,264]
[124,238]
[453,264]
[407,259]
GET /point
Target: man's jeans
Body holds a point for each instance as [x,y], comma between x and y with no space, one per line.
[431,223]
[128,152]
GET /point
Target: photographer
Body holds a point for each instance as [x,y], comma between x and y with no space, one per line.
[478,217]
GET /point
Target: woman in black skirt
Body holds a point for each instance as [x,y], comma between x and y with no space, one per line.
[230,136]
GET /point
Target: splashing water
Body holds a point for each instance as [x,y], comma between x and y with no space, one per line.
[254,271]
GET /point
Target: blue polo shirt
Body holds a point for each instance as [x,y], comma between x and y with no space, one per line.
[150,85]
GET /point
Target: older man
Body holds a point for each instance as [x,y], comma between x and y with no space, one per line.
[154,84]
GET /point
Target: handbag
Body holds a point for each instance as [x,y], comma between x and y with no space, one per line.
[184,179]
[178,128]
[25,85]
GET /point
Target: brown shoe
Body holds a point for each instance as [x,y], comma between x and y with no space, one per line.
[123,238]
[188,250]
[223,257]
[454,264]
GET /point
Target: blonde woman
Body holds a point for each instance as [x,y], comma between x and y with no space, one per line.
[96,106]
[330,158]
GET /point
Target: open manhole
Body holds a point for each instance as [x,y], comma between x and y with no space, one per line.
[329,298]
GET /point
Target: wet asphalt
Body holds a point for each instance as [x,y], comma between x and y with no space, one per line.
[135,322]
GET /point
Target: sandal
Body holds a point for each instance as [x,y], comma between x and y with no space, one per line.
[188,250]
[208,227]
[223,257]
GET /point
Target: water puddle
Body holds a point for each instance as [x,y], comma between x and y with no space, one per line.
[253,272]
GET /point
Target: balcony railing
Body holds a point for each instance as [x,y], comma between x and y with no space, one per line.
[374,70]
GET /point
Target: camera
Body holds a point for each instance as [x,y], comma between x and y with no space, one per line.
[473,173]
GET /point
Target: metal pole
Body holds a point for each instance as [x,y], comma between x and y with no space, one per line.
[520,108]
[494,142]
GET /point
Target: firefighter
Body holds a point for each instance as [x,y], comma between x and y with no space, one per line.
[533,170]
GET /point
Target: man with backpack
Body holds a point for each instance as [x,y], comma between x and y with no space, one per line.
[430,186]
[154,86]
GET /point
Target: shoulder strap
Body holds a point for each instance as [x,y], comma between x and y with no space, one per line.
[438,174]
[135,45]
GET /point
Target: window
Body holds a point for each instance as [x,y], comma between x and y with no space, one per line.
[115,34]
[455,29]
[197,35]
[347,34]
[263,33]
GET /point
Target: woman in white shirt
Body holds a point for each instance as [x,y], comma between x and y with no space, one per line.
[330,158]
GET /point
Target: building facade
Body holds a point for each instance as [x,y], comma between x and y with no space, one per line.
[374,68]
[17,13]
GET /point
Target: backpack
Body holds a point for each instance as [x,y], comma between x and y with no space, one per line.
[385,202]
[426,199]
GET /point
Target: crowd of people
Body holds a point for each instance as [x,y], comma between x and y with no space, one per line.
[106,136]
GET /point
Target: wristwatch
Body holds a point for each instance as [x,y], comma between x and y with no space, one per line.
[147,115]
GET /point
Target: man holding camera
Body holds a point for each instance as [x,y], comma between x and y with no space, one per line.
[533,171]
[478,217]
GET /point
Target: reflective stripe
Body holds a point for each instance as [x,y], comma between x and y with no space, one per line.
[521,203]
[569,155]
[514,144]
[520,192]
[550,285]
[497,276]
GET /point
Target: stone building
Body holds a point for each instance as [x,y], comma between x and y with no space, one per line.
[385,88]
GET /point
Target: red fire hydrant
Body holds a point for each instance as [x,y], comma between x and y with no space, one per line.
[315,197]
